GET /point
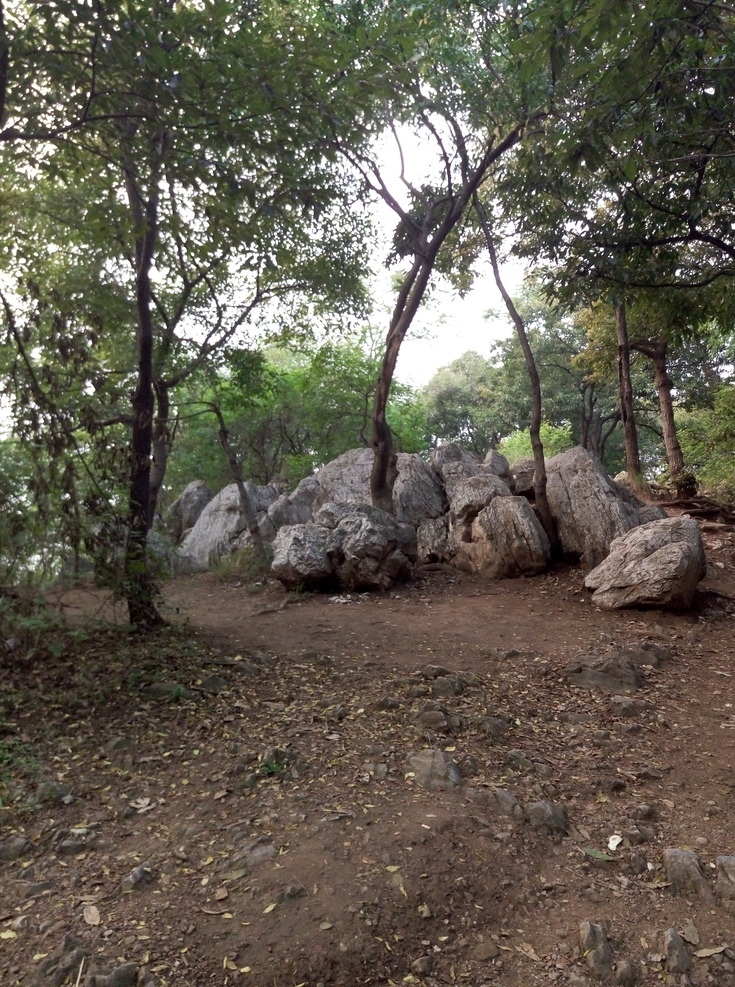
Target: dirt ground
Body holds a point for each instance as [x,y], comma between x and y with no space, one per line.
[232,802]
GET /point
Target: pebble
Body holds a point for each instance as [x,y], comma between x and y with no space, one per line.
[486,950]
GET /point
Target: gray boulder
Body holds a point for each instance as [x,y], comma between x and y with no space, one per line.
[507,541]
[433,539]
[417,493]
[471,496]
[655,565]
[588,507]
[296,507]
[495,462]
[454,464]
[221,529]
[521,474]
[186,509]
[345,547]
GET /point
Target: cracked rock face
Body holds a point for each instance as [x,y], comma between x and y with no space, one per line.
[657,564]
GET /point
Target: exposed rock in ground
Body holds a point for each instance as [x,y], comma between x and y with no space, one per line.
[469,498]
[221,528]
[434,770]
[596,949]
[615,673]
[507,541]
[347,547]
[588,507]
[433,539]
[658,564]
[495,462]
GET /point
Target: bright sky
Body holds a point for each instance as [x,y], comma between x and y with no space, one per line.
[446,326]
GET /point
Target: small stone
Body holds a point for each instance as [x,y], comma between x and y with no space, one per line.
[422,965]
[214,683]
[596,949]
[434,770]
[168,690]
[33,890]
[486,950]
[123,976]
[625,974]
[684,872]
[677,955]
[547,816]
[433,720]
[623,706]
[725,886]
[13,848]
[140,875]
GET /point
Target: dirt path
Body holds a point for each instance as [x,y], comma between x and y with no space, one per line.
[254,818]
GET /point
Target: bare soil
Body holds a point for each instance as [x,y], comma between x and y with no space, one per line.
[265,827]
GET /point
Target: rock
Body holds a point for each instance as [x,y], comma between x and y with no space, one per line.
[625,974]
[496,463]
[507,541]
[13,848]
[685,873]
[589,509]
[214,683]
[137,878]
[656,565]
[296,507]
[346,547]
[502,802]
[469,498]
[435,770]
[623,707]
[186,510]
[485,950]
[725,886]
[454,464]
[168,690]
[422,965]
[432,537]
[677,955]
[596,949]
[547,816]
[122,976]
[220,529]
[417,494]
[613,674]
[521,476]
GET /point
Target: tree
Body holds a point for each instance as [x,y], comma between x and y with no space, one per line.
[461,404]
[202,205]
[458,88]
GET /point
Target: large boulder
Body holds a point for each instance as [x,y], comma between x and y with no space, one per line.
[186,509]
[345,547]
[433,539]
[221,528]
[454,464]
[469,498]
[655,565]
[507,541]
[495,462]
[521,477]
[589,508]
[417,493]
[296,507]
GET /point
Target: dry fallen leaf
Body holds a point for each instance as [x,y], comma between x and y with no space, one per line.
[8,934]
[709,951]
[269,908]
[220,894]
[92,915]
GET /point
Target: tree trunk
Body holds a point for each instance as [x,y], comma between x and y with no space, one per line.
[161,445]
[682,482]
[384,470]
[246,507]
[539,473]
[632,454]
[138,585]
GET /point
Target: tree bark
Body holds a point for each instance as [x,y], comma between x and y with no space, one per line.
[161,445]
[539,473]
[658,354]
[138,585]
[632,453]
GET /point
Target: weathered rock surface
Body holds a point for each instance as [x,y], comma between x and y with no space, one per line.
[596,949]
[507,541]
[187,508]
[677,955]
[469,498]
[221,529]
[346,547]
[658,564]
[433,539]
[435,770]
[496,463]
[685,873]
[589,508]
[615,673]
[521,476]
[454,464]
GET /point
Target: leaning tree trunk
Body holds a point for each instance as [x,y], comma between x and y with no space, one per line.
[539,473]
[138,585]
[630,432]
[161,445]
[246,507]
